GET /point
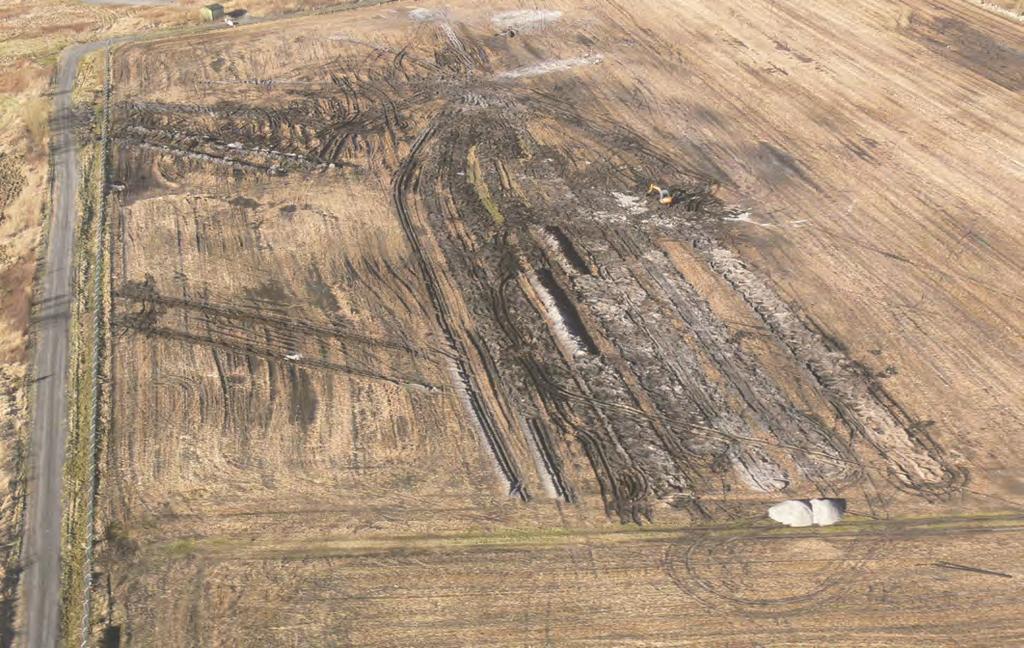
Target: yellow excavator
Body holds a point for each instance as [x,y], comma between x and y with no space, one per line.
[690,199]
[665,196]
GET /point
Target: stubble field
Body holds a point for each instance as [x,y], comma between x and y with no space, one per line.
[403,354]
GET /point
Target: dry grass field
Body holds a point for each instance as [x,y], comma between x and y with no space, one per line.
[402,354]
[32,34]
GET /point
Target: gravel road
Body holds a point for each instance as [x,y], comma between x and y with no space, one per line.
[41,549]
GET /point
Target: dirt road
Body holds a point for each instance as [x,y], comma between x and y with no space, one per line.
[41,553]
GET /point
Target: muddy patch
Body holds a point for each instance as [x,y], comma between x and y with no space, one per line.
[971,48]
[244,202]
[302,398]
[777,167]
[321,293]
[269,291]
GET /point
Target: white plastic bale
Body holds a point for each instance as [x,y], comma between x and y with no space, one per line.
[794,513]
[826,512]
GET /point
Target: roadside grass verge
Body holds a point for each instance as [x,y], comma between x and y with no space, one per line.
[85,392]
